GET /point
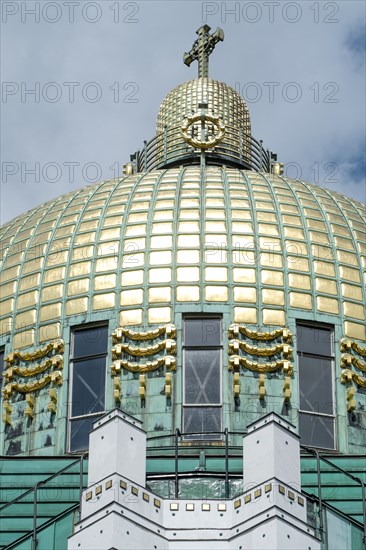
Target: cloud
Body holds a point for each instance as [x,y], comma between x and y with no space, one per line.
[133,55]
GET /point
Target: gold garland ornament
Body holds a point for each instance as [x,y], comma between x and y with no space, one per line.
[347,345]
[54,377]
[235,362]
[198,143]
[57,346]
[235,345]
[347,376]
[347,360]
[56,361]
[168,330]
[235,330]
[168,361]
[168,345]
[7,413]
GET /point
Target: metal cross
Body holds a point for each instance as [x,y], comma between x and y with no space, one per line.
[202,49]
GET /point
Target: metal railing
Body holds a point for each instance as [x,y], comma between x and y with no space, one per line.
[237,148]
[319,458]
[39,484]
[180,442]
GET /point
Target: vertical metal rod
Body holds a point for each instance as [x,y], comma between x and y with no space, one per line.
[176,480]
[165,142]
[145,155]
[81,480]
[227,495]
[241,144]
[261,154]
[364,511]
[34,536]
[321,526]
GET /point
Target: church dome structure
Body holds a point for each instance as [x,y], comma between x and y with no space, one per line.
[197,293]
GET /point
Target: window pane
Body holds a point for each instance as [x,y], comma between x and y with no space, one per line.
[202,376]
[79,439]
[316,384]
[316,431]
[314,340]
[88,386]
[201,420]
[91,341]
[202,332]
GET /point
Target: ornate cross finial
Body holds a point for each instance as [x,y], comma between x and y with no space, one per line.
[202,49]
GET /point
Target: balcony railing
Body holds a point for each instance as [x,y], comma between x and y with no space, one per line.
[237,149]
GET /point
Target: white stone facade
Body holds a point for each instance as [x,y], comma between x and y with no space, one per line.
[118,512]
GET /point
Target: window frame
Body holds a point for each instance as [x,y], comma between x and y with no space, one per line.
[220,347]
[72,361]
[332,359]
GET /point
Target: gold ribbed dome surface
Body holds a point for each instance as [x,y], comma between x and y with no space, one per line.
[222,100]
[138,249]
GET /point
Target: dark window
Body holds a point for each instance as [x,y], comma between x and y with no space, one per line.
[87,382]
[202,357]
[316,389]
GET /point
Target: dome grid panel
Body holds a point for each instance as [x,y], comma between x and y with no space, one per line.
[56,308]
[50,307]
[288,299]
[303,296]
[356,309]
[324,303]
[27,316]
[222,212]
[254,311]
[125,245]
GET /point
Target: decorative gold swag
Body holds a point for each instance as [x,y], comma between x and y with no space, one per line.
[347,345]
[235,345]
[286,335]
[168,361]
[55,377]
[27,357]
[168,330]
[237,361]
[348,359]
[348,376]
[168,345]
[55,361]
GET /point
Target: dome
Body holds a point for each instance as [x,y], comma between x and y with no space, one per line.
[221,98]
[203,231]
[264,249]
[179,125]
[184,329]
[222,103]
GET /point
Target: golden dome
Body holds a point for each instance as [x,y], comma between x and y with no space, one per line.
[263,249]
[221,102]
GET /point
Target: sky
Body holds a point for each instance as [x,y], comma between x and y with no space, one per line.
[82,82]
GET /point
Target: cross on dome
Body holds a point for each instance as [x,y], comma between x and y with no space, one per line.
[202,49]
